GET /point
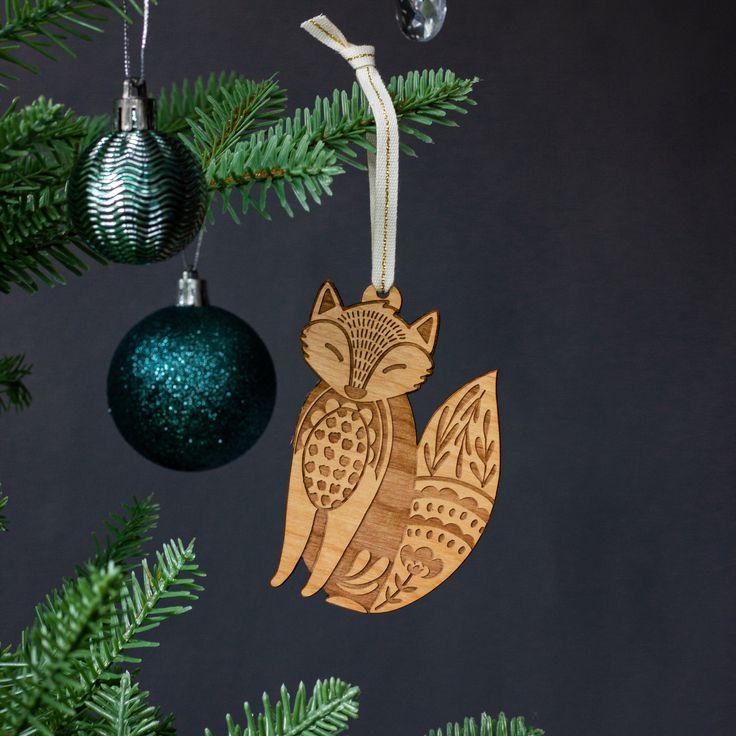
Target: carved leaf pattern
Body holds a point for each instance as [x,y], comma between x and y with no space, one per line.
[463,444]
[364,576]
[361,560]
[393,597]
[484,469]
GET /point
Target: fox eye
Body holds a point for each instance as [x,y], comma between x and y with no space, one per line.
[333,349]
[394,367]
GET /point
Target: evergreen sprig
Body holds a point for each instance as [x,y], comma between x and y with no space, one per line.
[305,150]
[220,101]
[332,705]
[127,533]
[267,162]
[488,726]
[94,621]
[227,117]
[45,26]
[3,518]
[144,603]
[36,239]
[232,125]
[122,709]
[38,146]
[34,682]
[67,676]
[13,392]
[39,143]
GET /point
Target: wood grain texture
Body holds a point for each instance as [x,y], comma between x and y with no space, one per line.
[378,519]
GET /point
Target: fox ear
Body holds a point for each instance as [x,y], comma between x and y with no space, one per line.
[426,329]
[327,301]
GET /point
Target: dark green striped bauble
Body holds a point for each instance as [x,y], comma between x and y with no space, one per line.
[137,196]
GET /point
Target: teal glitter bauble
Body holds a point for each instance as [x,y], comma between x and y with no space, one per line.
[137,196]
[191,387]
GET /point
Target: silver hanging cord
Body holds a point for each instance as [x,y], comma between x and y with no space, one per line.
[198,249]
[144,40]
[144,37]
[197,252]
[126,44]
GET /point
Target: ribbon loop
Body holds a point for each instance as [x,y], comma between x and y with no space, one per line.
[383,166]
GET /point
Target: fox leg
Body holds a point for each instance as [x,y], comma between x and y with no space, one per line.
[340,528]
[299,521]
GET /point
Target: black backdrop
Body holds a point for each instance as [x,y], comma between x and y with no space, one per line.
[577,234]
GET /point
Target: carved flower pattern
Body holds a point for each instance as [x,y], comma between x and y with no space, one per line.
[420,562]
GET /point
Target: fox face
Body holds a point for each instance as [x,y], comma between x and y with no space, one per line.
[367,352]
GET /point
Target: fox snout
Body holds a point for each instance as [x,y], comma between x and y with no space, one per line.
[354,392]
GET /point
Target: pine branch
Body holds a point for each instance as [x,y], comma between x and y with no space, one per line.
[223,118]
[489,727]
[46,664]
[3,518]
[36,239]
[40,124]
[222,108]
[122,710]
[128,531]
[332,704]
[132,608]
[270,162]
[46,26]
[230,117]
[142,606]
[38,146]
[304,151]
[13,392]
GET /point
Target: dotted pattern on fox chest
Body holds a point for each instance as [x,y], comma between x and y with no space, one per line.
[338,444]
[335,457]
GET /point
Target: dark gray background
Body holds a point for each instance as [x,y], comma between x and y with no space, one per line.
[577,234]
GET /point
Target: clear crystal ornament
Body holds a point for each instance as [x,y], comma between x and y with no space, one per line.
[421,20]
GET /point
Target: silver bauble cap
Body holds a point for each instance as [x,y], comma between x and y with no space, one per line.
[192,290]
[135,110]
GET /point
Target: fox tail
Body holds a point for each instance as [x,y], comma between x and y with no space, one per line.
[458,467]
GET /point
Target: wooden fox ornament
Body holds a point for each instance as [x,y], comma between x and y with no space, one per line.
[379,520]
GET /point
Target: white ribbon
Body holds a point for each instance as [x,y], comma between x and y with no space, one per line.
[383,166]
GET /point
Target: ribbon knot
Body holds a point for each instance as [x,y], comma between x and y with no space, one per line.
[359,56]
[383,166]
[324,30]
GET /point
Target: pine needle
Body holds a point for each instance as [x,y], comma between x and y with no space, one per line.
[3,518]
[13,391]
[488,726]
[45,26]
[327,712]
